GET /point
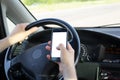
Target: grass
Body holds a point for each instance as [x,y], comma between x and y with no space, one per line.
[68,5]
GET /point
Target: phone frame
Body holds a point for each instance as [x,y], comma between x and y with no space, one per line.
[57,59]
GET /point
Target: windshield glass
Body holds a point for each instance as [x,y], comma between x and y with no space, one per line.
[79,13]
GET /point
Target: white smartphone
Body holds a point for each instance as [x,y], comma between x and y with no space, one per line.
[58,37]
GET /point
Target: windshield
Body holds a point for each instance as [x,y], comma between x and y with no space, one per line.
[79,13]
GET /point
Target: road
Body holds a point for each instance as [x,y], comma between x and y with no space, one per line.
[87,16]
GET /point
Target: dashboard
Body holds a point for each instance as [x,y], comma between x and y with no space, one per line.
[100,54]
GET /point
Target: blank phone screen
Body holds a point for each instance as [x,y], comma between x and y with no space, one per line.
[57,38]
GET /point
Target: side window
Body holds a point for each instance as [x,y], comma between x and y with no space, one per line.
[11,25]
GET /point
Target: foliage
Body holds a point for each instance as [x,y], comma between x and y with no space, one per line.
[30,2]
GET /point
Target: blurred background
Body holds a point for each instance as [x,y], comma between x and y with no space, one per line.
[79,13]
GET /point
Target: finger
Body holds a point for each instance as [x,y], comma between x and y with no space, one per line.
[69,47]
[23,25]
[48,47]
[48,56]
[49,42]
[58,48]
[62,48]
[30,31]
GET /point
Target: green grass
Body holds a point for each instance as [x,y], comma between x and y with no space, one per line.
[68,5]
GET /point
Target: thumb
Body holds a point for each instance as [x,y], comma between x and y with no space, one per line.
[62,48]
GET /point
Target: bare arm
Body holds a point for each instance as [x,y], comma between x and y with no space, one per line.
[17,35]
[67,62]
[4,43]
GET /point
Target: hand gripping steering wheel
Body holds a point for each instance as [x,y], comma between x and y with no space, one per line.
[33,60]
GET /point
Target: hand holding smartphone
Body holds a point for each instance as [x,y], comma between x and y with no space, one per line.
[58,37]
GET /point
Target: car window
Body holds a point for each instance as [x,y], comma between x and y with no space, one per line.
[11,25]
[79,13]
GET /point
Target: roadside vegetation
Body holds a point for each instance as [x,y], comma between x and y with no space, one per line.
[30,2]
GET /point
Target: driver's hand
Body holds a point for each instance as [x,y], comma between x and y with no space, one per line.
[19,33]
[66,66]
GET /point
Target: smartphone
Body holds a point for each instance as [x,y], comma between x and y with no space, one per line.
[58,37]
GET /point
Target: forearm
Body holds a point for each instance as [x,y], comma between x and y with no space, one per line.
[69,73]
[4,43]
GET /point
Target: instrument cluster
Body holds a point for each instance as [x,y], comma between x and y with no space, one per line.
[107,53]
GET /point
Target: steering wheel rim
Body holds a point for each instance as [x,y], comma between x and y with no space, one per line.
[75,42]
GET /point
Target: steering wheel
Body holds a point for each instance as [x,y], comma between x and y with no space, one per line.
[33,60]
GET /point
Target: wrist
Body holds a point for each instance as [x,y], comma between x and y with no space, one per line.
[69,72]
[11,40]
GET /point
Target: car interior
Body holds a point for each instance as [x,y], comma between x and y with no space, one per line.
[97,49]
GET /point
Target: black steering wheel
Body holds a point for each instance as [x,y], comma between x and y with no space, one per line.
[33,60]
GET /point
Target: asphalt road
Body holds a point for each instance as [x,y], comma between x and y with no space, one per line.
[87,16]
